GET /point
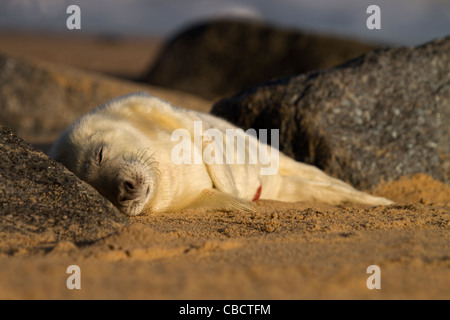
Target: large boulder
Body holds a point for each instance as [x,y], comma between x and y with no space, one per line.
[38,100]
[378,117]
[41,202]
[219,58]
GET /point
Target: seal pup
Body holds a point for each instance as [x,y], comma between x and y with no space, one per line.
[125,149]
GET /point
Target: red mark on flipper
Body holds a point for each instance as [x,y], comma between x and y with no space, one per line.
[258,193]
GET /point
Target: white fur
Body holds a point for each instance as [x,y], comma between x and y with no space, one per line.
[134,134]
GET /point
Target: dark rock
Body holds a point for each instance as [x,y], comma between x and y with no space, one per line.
[40,196]
[220,58]
[381,116]
[38,100]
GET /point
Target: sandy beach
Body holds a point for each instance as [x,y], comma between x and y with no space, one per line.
[280,251]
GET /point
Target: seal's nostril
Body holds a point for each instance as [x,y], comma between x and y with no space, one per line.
[129,185]
[129,190]
[148,191]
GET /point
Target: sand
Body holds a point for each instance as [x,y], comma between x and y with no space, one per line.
[131,59]
[281,251]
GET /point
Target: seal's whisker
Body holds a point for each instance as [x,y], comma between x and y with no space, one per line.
[142,153]
[145,159]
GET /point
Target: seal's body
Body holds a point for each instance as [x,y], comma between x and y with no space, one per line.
[128,151]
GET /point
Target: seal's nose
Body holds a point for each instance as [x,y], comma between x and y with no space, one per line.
[132,189]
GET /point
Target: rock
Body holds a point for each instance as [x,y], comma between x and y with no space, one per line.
[42,202]
[219,58]
[38,100]
[378,117]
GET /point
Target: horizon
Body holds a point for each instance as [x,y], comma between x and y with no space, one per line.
[403,22]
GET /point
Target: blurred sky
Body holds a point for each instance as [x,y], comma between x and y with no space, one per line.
[403,22]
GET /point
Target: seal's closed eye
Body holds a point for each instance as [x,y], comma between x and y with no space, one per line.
[100,156]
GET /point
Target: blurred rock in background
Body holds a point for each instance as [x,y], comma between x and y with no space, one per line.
[222,57]
[38,100]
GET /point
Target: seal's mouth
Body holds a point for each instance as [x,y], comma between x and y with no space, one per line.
[131,207]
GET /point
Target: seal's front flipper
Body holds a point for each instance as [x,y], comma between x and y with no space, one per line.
[213,199]
[222,178]
[239,180]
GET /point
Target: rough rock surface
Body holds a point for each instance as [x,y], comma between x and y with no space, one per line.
[220,58]
[377,117]
[39,195]
[38,100]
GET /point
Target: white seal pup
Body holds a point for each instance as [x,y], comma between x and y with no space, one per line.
[129,149]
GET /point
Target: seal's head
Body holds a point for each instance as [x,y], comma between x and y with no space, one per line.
[111,155]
